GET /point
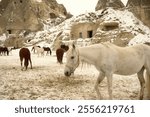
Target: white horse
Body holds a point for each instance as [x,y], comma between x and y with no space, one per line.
[39,50]
[110,59]
[10,49]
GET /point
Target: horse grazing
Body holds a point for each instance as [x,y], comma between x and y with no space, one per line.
[110,59]
[24,53]
[38,49]
[48,50]
[33,48]
[59,55]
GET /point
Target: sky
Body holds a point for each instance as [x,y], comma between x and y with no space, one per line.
[77,7]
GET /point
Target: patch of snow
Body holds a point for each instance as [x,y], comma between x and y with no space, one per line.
[3,37]
[140,38]
[127,23]
[38,0]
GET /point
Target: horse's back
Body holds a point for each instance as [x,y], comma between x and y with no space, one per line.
[39,49]
[138,49]
[46,48]
[60,51]
[128,60]
[24,52]
[146,52]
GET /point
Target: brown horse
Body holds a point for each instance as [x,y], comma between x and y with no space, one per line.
[24,53]
[59,54]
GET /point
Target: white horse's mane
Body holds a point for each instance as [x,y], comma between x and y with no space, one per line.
[84,64]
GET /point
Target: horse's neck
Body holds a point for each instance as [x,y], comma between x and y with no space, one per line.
[87,55]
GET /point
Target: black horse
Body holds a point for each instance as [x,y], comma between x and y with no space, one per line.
[24,53]
[48,50]
[65,47]
[4,51]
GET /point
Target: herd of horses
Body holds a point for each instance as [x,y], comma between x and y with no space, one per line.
[108,59]
[40,50]
[25,54]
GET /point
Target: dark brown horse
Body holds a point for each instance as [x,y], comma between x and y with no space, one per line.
[65,47]
[60,52]
[24,53]
[48,50]
[59,55]
[4,51]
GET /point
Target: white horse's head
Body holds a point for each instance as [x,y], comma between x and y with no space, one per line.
[72,62]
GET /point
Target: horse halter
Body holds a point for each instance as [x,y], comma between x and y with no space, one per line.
[78,62]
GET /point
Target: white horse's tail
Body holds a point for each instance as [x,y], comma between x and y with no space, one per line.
[148,84]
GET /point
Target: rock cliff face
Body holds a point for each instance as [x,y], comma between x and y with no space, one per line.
[18,15]
[102,4]
[141,9]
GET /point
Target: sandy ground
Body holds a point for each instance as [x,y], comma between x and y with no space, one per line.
[47,81]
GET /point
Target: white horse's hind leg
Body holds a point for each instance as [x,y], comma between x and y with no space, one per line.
[142,82]
[148,84]
[99,80]
[109,82]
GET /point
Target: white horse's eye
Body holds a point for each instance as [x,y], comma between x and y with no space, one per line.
[72,57]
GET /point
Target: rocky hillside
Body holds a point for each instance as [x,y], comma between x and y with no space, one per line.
[102,4]
[28,15]
[141,9]
[120,27]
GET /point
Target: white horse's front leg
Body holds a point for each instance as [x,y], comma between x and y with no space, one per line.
[142,82]
[99,80]
[109,82]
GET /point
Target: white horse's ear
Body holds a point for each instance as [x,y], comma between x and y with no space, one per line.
[73,45]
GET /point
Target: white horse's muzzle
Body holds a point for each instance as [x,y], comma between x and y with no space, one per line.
[68,71]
